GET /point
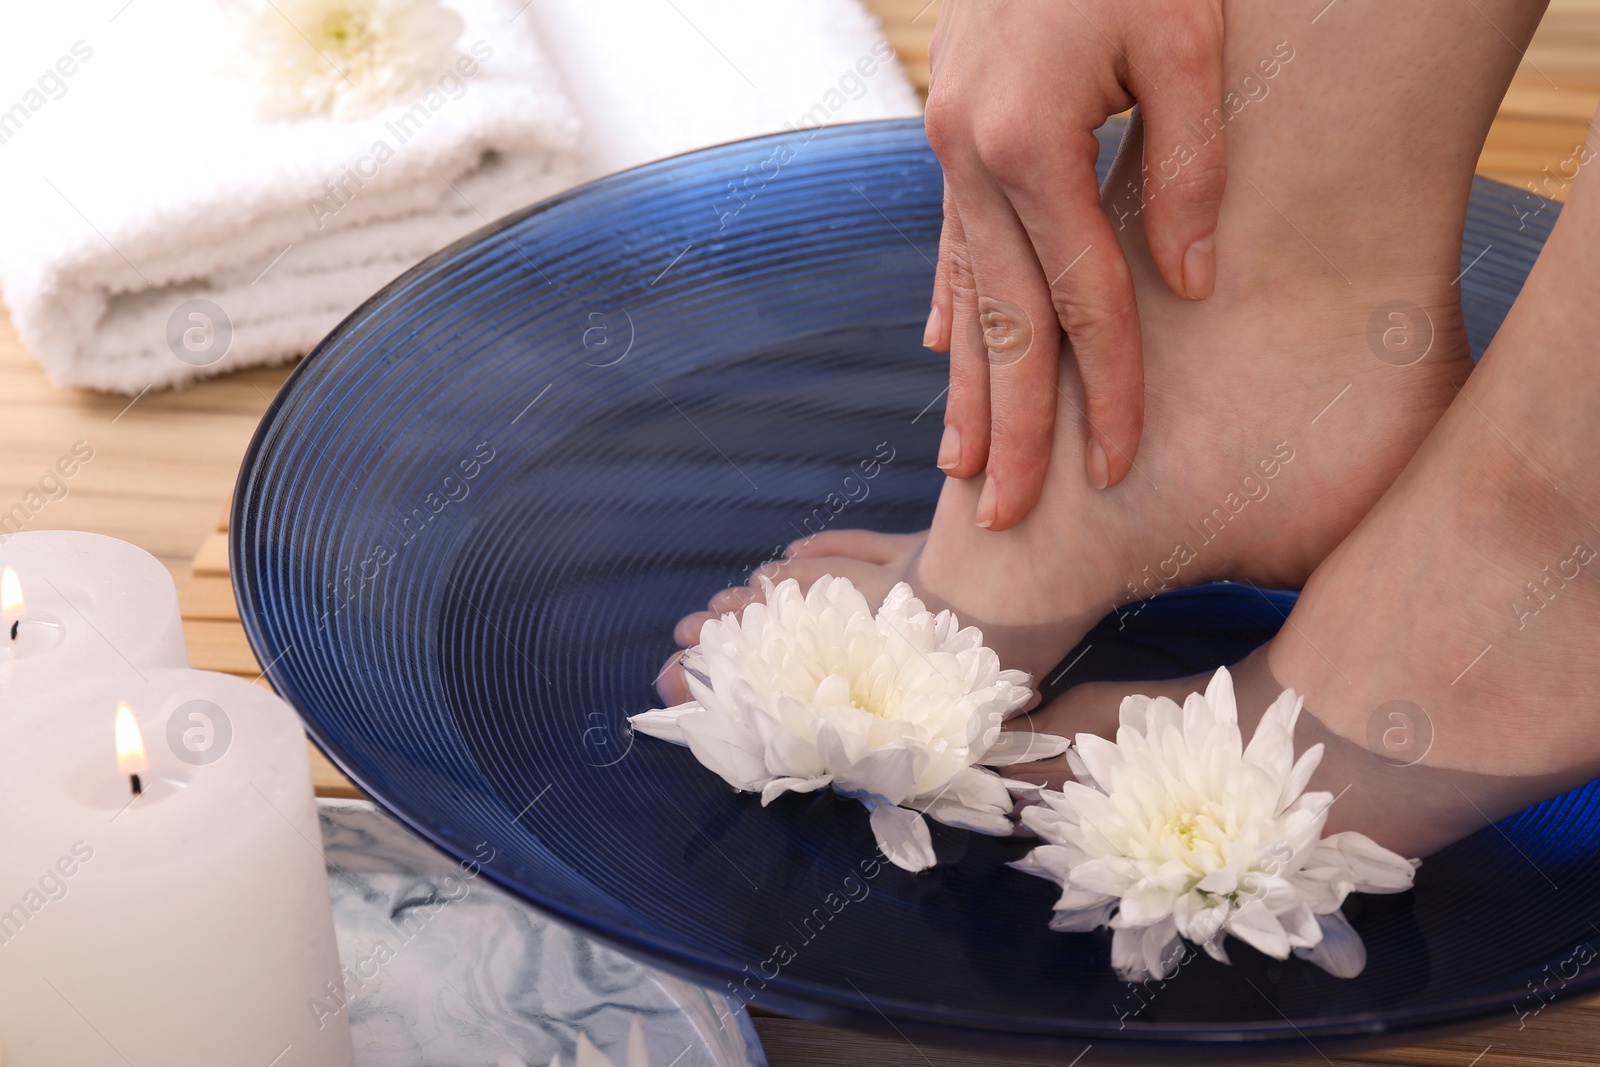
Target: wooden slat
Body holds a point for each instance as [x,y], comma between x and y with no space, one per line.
[211,561]
[220,646]
[908,25]
[209,598]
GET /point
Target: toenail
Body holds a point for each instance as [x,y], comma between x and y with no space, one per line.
[949,449]
[988,503]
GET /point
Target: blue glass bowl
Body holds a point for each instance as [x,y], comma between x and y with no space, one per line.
[469,522]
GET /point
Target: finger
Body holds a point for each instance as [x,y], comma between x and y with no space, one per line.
[965,447]
[1091,290]
[1185,167]
[1022,346]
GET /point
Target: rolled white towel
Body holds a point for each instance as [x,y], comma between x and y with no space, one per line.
[142,182]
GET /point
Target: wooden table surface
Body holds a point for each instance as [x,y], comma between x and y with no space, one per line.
[164,465]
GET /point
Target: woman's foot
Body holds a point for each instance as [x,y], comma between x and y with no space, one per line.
[1446,650]
[1276,417]
[1279,409]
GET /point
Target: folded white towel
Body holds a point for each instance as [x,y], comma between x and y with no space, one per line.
[653,78]
[144,181]
[148,219]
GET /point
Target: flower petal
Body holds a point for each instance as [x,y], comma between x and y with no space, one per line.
[902,836]
[788,754]
[1300,775]
[1025,790]
[954,813]
[975,799]
[1081,920]
[1145,904]
[1134,712]
[1100,756]
[1198,921]
[1023,746]
[726,747]
[1111,875]
[1373,868]
[663,723]
[890,773]
[1340,952]
[1140,953]
[779,786]
[1257,927]
[1053,862]
[1219,694]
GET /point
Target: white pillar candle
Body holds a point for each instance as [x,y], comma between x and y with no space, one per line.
[187,925]
[70,599]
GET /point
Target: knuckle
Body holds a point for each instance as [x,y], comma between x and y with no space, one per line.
[944,118]
[958,273]
[1005,149]
[1202,180]
[1192,52]
[1194,35]
[1080,314]
[1093,325]
[1007,329]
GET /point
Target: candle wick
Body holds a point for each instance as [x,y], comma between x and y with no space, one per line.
[138,786]
[14,625]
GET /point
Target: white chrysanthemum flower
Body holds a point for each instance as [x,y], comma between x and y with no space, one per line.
[901,710]
[1177,830]
[343,59]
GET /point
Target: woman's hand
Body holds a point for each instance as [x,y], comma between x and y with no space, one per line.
[1027,254]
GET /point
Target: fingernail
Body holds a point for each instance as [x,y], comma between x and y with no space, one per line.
[1099,467]
[988,503]
[931,332]
[1200,268]
[949,449]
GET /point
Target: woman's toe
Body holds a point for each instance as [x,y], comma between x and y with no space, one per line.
[670,684]
[687,632]
[865,545]
[734,600]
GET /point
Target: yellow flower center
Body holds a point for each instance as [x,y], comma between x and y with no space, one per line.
[839,689]
[343,30]
[1194,832]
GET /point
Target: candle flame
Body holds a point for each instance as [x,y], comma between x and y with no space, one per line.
[130,743]
[10,595]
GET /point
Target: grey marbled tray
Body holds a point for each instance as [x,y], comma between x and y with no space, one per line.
[444,969]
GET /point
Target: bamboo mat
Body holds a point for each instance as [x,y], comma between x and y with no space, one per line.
[164,464]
